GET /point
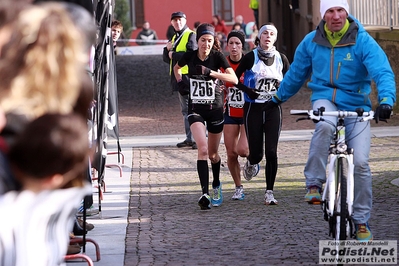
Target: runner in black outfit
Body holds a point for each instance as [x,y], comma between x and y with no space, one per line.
[263,70]
[206,105]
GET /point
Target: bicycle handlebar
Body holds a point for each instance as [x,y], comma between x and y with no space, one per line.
[318,114]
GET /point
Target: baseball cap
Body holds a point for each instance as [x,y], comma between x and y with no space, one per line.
[177,14]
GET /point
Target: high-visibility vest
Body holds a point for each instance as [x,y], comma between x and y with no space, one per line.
[181,47]
[253,4]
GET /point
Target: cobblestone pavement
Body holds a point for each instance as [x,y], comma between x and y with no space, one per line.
[165,224]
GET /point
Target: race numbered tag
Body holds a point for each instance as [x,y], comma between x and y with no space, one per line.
[202,91]
[235,98]
[266,89]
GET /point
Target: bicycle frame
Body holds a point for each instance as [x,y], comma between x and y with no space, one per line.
[331,199]
[332,203]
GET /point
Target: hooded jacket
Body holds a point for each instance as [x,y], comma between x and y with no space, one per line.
[341,74]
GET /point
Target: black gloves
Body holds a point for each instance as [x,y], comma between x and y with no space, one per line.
[252,94]
[383,112]
[183,88]
[203,70]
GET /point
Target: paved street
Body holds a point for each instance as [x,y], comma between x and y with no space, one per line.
[166,226]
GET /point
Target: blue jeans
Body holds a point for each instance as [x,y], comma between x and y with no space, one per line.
[184,110]
[358,137]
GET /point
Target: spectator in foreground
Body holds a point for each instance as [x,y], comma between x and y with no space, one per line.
[48,158]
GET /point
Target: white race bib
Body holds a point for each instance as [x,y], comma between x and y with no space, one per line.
[202,91]
[235,98]
[266,89]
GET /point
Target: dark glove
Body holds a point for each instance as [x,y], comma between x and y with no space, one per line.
[383,112]
[203,70]
[252,94]
[269,105]
[183,88]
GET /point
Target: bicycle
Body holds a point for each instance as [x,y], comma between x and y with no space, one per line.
[338,194]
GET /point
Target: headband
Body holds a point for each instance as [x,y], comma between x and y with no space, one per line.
[267,27]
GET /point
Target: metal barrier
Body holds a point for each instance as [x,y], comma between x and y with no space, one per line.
[376,14]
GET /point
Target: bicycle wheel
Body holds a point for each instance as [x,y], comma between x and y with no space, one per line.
[342,207]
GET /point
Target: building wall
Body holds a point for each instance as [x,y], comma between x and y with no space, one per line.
[158,12]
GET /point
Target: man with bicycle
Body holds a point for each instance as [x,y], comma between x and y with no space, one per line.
[340,59]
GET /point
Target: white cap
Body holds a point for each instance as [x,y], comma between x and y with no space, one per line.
[327,4]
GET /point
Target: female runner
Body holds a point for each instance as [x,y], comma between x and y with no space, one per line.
[206,106]
[235,138]
[263,70]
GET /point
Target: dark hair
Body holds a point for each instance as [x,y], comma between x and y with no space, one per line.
[220,21]
[207,28]
[237,24]
[237,33]
[117,23]
[51,144]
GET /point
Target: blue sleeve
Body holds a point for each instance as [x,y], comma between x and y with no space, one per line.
[377,64]
[298,73]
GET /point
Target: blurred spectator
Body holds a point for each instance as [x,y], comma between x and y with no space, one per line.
[22,94]
[238,27]
[146,36]
[48,159]
[220,30]
[219,25]
[254,5]
[239,20]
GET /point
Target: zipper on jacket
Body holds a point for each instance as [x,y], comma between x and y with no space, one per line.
[332,66]
[334,95]
[338,70]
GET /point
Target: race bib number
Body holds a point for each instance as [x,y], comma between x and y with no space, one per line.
[235,98]
[202,91]
[266,89]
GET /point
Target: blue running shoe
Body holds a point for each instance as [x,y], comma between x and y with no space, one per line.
[204,202]
[217,198]
[239,193]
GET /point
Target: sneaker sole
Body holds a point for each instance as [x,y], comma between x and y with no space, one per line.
[237,198]
[204,203]
[313,201]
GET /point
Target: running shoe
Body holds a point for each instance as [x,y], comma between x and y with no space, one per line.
[185,143]
[239,193]
[269,198]
[217,198]
[313,196]
[89,211]
[363,233]
[204,202]
[250,170]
